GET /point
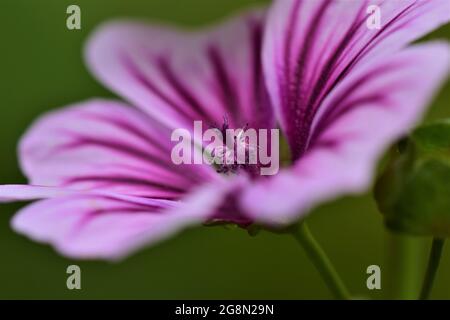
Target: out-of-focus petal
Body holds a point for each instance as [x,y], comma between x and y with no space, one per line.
[89,226]
[372,107]
[106,145]
[17,192]
[111,226]
[178,76]
[312,45]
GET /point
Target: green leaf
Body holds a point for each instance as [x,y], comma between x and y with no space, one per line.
[433,140]
[413,192]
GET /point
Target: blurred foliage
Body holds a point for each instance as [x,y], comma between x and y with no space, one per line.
[414,190]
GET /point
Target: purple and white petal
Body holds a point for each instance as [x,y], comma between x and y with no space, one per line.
[312,45]
[91,226]
[17,192]
[373,106]
[178,76]
[106,145]
[99,225]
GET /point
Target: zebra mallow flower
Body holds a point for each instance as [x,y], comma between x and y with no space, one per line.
[340,92]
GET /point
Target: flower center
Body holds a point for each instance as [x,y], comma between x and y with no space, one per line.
[237,152]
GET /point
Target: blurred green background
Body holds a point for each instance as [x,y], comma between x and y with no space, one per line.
[42,69]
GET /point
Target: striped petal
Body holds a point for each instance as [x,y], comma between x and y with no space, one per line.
[178,76]
[17,192]
[372,107]
[91,226]
[102,225]
[312,45]
[106,145]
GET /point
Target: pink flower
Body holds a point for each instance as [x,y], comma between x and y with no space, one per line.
[340,92]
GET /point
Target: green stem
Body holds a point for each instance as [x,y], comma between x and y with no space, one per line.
[320,261]
[405,266]
[433,265]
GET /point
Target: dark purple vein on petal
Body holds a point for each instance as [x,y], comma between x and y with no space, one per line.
[297,105]
[89,216]
[124,180]
[285,81]
[149,85]
[289,32]
[383,33]
[228,91]
[361,53]
[365,49]
[146,137]
[346,108]
[262,112]
[182,90]
[336,105]
[313,101]
[121,148]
